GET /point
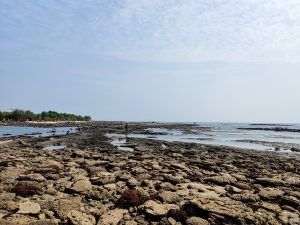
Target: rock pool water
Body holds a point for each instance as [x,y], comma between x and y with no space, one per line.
[9,131]
[226,134]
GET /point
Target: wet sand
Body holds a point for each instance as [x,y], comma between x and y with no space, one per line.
[90,181]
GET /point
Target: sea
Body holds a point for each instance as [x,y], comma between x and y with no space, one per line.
[222,134]
[10,131]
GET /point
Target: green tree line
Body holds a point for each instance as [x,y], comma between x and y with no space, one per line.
[26,115]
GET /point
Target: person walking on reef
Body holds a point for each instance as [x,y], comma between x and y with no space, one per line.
[126,131]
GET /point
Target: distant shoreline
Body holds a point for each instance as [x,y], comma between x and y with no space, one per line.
[45,123]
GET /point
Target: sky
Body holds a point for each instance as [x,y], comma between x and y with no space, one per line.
[153,60]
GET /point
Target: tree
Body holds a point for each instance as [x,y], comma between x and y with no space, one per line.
[21,115]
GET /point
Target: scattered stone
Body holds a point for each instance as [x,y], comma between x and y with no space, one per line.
[91,182]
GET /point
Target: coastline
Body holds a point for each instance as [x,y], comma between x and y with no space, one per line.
[181,183]
[45,123]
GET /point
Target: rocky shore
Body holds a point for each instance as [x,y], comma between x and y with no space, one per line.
[91,182]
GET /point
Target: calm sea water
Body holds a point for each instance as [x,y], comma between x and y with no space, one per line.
[6,131]
[226,134]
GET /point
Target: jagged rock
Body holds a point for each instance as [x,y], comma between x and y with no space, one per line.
[196,221]
[112,217]
[79,218]
[180,166]
[9,175]
[29,208]
[270,207]
[81,186]
[223,206]
[33,177]
[230,186]
[221,180]
[172,221]
[27,188]
[132,182]
[110,186]
[173,179]
[131,222]
[245,197]
[103,178]
[7,196]
[269,181]
[291,201]
[24,143]
[270,193]
[156,209]
[169,197]
[62,207]
[156,166]
[294,181]
[290,218]
[232,189]
[53,164]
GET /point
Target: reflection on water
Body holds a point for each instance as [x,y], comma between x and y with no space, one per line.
[49,148]
[7,131]
[120,143]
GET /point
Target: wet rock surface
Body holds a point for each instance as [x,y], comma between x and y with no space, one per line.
[91,182]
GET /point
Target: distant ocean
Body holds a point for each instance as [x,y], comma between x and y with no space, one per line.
[227,134]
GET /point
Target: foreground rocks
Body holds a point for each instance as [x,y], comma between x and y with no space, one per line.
[93,183]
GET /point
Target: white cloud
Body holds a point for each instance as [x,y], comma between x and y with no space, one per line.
[159,30]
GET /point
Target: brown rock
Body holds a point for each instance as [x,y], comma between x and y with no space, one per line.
[112,217]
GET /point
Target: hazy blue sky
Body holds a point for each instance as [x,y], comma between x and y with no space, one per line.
[167,60]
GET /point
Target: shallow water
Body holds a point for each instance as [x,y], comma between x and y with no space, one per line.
[49,148]
[8,131]
[120,143]
[225,134]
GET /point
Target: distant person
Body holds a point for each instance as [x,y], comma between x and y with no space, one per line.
[126,131]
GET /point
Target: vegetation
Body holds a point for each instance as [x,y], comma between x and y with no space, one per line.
[22,115]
